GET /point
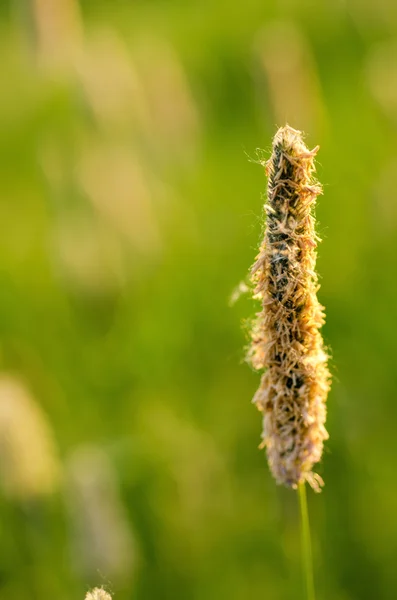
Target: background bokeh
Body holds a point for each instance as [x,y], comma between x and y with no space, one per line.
[130,211]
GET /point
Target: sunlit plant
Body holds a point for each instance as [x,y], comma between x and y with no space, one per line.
[286,342]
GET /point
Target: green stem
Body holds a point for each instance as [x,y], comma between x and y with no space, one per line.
[307,558]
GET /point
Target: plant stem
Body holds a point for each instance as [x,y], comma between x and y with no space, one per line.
[307,558]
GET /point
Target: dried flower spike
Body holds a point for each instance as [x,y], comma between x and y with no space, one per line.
[286,340]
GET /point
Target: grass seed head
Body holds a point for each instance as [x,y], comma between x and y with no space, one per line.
[285,339]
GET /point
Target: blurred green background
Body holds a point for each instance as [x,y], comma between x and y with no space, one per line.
[131,208]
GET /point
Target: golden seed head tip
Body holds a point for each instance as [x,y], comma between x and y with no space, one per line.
[288,136]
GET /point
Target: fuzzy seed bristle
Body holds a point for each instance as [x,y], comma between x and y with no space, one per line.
[285,338]
[98,594]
